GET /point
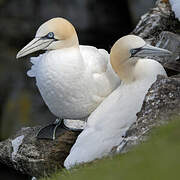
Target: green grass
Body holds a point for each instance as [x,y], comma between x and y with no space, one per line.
[157,159]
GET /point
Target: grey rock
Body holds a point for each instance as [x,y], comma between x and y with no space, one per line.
[158,19]
[29,155]
[35,157]
[170,41]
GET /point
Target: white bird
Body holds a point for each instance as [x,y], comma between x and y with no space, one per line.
[175,4]
[73,80]
[107,125]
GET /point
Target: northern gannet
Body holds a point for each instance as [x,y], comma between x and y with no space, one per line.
[72,79]
[107,125]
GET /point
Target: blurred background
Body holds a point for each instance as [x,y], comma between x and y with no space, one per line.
[98,23]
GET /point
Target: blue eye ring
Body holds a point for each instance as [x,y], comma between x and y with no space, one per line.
[50,35]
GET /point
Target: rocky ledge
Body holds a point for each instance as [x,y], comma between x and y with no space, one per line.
[25,153]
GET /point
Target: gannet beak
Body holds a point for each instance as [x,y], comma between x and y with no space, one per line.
[35,45]
[149,50]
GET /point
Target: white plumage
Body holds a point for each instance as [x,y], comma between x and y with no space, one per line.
[107,125]
[73,81]
[109,122]
[175,4]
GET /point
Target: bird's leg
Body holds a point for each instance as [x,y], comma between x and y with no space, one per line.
[49,131]
[54,130]
[57,123]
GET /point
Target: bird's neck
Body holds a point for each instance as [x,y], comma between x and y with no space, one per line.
[137,69]
[125,70]
[72,42]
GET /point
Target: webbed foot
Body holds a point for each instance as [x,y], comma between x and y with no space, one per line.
[52,131]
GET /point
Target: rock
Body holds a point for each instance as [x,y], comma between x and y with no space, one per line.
[161,105]
[170,41]
[29,155]
[160,18]
[35,157]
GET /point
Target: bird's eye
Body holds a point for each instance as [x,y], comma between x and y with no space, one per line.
[50,35]
[133,52]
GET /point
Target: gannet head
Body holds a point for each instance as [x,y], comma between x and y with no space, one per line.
[57,33]
[125,54]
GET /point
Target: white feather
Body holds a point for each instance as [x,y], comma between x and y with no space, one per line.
[74,81]
[110,121]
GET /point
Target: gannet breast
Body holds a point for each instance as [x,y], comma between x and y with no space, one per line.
[73,81]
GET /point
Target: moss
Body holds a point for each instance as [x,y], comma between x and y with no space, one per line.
[158,158]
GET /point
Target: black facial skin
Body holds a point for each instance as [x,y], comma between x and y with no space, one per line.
[135,51]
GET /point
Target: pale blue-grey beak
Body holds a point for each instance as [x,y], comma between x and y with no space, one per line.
[35,45]
[148,50]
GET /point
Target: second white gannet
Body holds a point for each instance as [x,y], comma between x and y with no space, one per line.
[107,125]
[72,79]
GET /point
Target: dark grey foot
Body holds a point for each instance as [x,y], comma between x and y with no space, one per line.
[54,130]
